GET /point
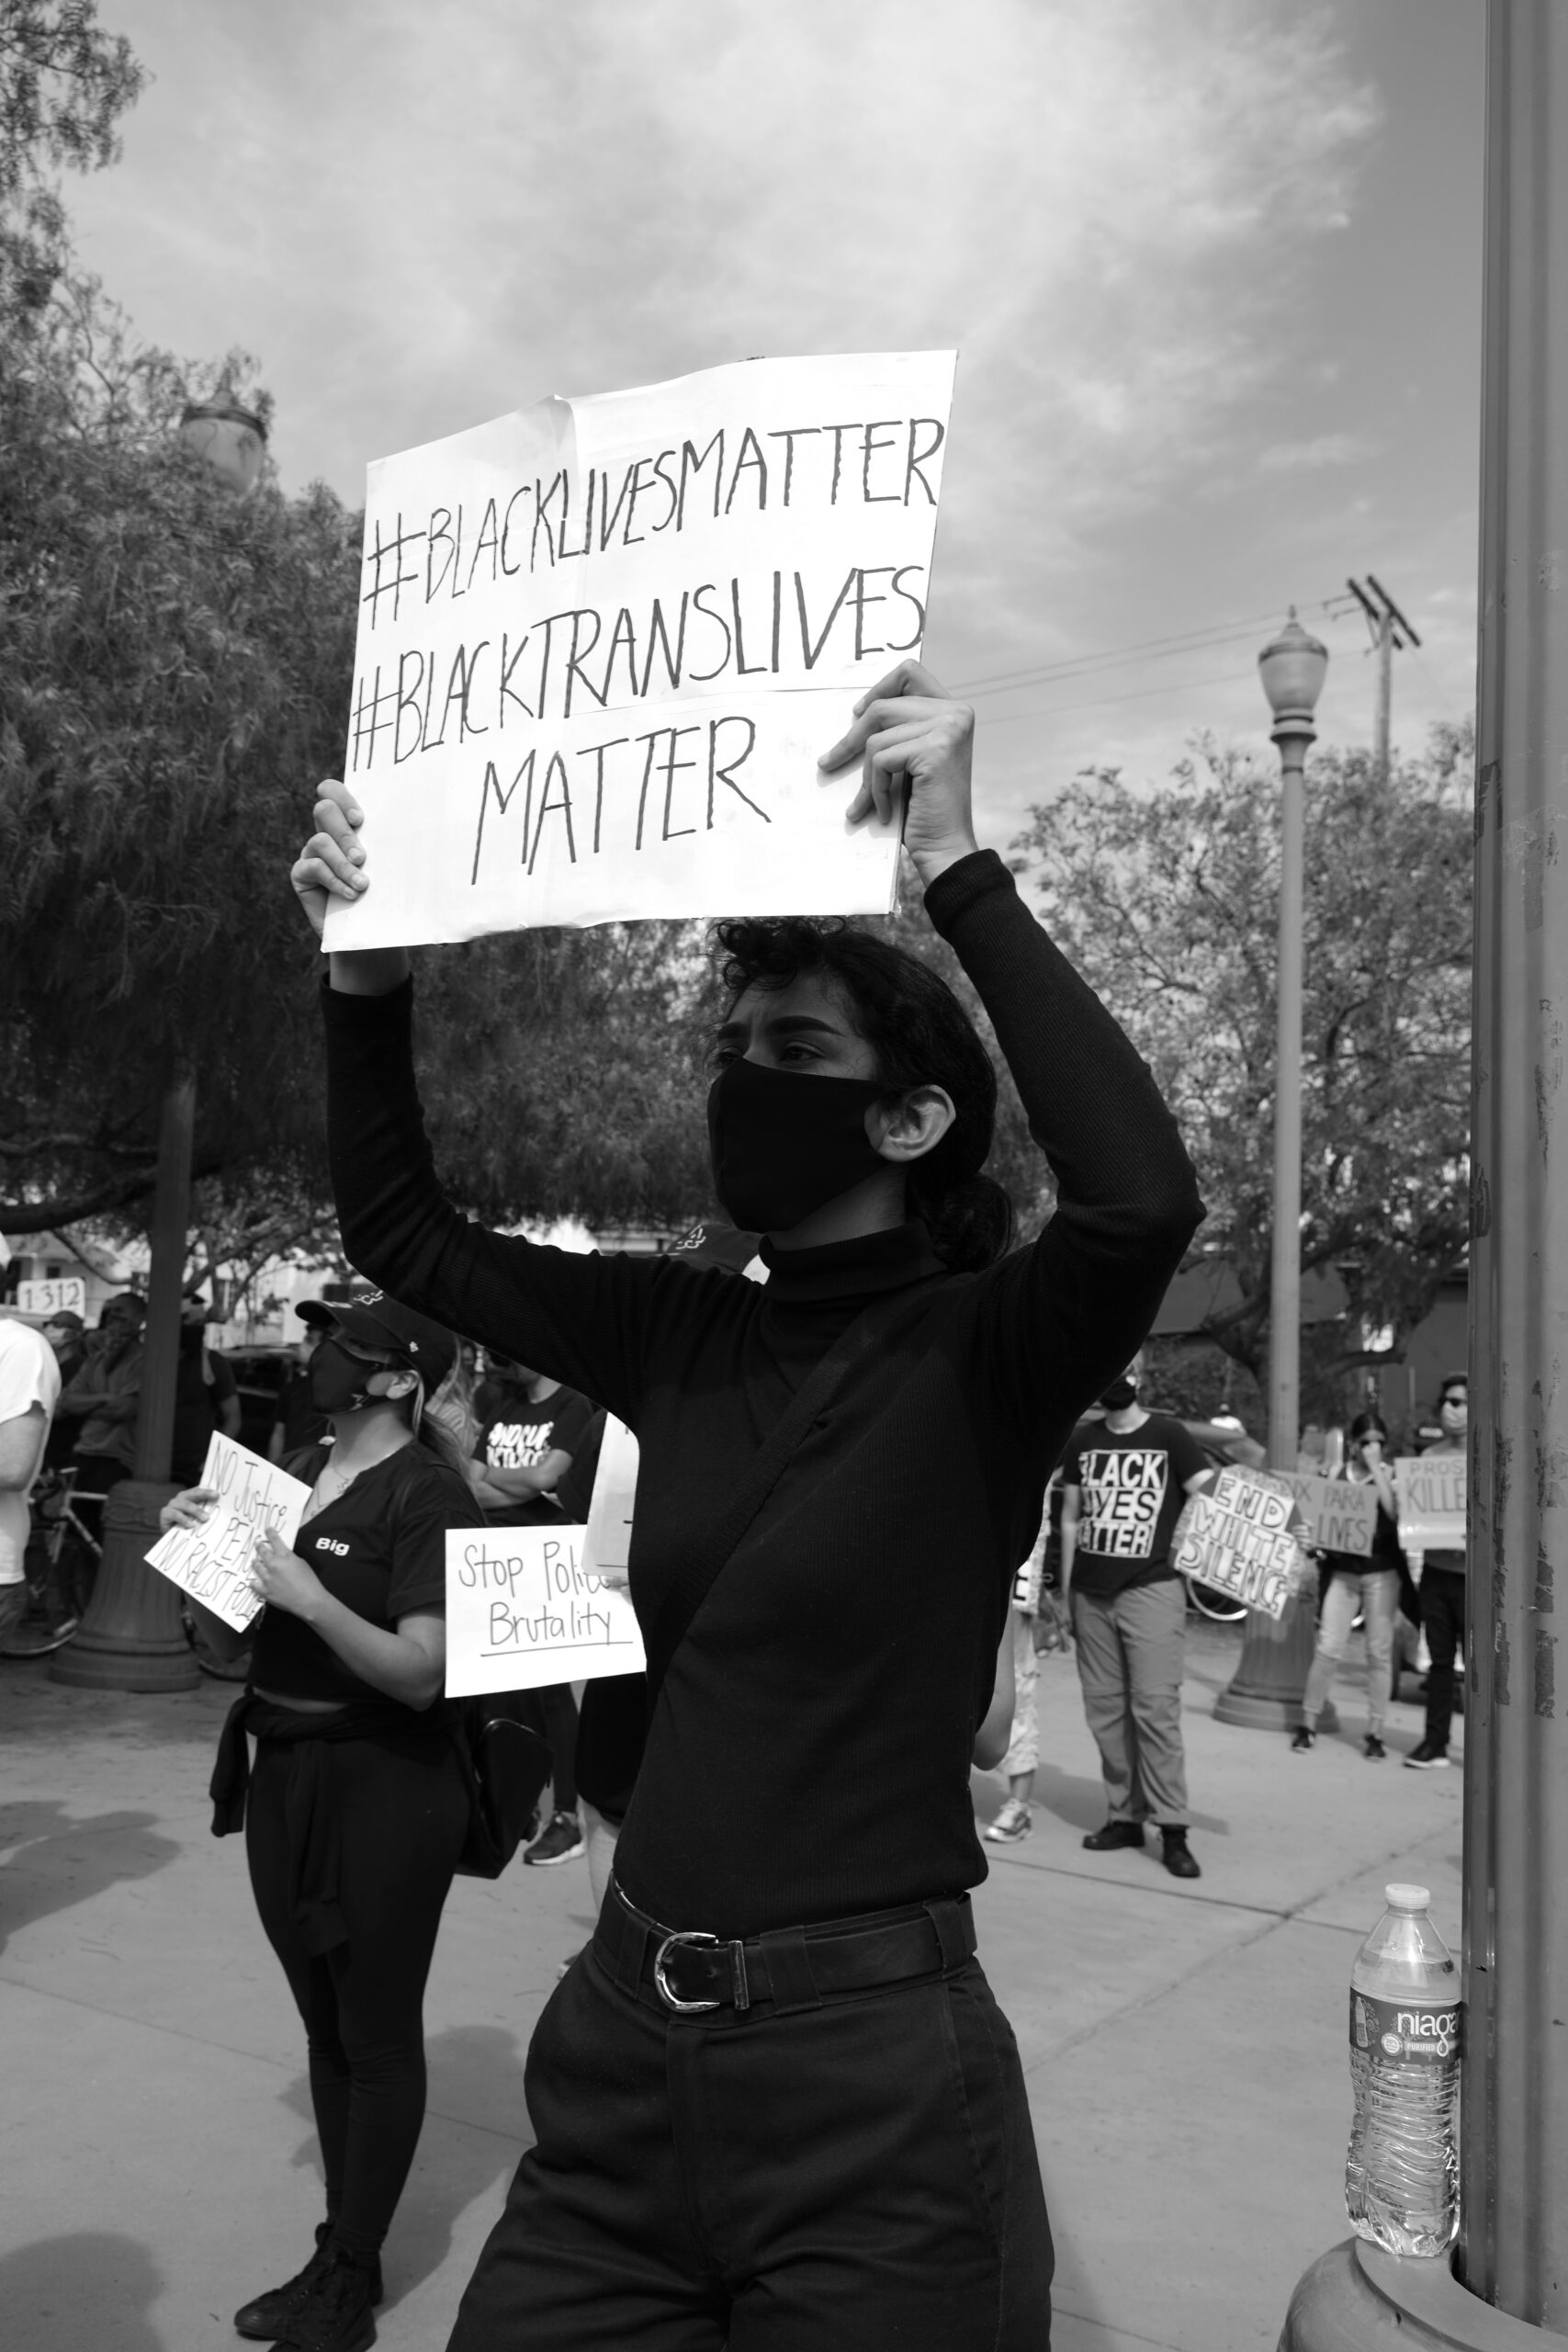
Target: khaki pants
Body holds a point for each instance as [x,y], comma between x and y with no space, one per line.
[1130,1652]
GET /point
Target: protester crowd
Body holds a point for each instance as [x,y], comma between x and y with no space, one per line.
[855,1384]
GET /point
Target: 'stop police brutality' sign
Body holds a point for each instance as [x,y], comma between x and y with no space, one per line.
[603,641]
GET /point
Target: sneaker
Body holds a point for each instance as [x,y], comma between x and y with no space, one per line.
[1014,1822]
[336,2315]
[1178,1857]
[560,1840]
[1114,1834]
[1427,1759]
[1372,1749]
[1306,1738]
[271,2314]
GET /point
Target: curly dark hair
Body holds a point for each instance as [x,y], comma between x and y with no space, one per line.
[920,1036]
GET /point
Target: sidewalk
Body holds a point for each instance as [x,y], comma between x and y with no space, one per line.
[1184,2043]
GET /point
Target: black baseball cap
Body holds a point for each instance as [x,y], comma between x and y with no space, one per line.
[65,1318]
[377,1321]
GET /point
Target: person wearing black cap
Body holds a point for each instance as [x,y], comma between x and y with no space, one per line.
[775,2102]
[356,1807]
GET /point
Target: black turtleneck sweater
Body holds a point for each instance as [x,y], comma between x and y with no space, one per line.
[808,1755]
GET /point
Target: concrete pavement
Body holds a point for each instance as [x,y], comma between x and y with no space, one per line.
[1185,2043]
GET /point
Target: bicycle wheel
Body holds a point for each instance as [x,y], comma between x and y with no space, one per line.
[1220,1607]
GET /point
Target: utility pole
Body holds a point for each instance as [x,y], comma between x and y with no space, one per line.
[1389,628]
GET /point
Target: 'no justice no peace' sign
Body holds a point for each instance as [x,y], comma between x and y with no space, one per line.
[603,641]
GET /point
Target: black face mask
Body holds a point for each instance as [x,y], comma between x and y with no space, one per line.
[782,1143]
[339,1382]
[1120,1395]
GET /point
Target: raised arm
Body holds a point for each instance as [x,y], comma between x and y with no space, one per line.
[1067,1315]
[583,1319]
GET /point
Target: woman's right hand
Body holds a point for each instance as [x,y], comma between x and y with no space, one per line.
[190,1507]
[329,866]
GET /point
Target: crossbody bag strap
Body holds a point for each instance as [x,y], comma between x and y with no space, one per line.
[706,1561]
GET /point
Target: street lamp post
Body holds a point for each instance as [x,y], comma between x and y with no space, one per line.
[1266,1692]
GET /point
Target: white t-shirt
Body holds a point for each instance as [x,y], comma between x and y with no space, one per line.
[28,1376]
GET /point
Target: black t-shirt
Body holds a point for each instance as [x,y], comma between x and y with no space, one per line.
[1132,1485]
[379,1547]
[518,1433]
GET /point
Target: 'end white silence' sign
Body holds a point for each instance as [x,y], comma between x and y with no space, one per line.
[524,1609]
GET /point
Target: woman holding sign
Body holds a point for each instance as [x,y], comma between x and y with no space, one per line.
[775,2103]
[356,1807]
[1369,1586]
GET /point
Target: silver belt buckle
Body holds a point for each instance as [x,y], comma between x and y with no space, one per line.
[700,1942]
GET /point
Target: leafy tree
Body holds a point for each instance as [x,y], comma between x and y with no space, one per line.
[63,86]
[1167,901]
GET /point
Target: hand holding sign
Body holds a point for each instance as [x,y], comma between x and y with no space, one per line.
[908,731]
[210,1548]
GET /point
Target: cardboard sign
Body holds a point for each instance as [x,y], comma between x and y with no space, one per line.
[212,1562]
[1239,1536]
[608,1539]
[1339,1514]
[525,1608]
[63,1293]
[1431,1490]
[602,643]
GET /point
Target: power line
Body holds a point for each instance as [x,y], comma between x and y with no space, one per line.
[1155,649]
[1102,702]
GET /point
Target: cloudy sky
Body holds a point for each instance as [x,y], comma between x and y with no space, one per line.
[1212,268]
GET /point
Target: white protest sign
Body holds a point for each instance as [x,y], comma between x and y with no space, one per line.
[1431,1490]
[1238,1535]
[212,1562]
[602,643]
[1340,1514]
[524,1609]
[608,1539]
[61,1294]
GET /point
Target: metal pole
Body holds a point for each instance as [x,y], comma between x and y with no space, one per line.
[1385,696]
[1513,2251]
[1285,1288]
[170,1236]
[1514,2248]
[131,1638]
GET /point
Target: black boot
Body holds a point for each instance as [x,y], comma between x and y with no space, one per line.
[1177,1859]
[336,2315]
[269,2315]
[1114,1834]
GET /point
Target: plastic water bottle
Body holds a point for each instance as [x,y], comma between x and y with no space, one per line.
[1406,2022]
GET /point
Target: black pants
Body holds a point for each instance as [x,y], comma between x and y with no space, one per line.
[858,2174]
[558,1709]
[403,1814]
[1442,1622]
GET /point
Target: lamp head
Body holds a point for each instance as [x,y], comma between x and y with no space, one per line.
[1292,669]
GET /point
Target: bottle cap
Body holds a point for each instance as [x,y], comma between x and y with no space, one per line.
[1408,1898]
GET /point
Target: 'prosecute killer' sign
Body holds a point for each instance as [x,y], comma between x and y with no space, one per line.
[603,641]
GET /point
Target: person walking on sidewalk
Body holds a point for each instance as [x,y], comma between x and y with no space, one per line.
[531,1428]
[1368,1585]
[356,1808]
[775,2101]
[1443,1594]
[1016,1819]
[1124,1484]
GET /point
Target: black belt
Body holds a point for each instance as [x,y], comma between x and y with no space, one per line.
[688,1972]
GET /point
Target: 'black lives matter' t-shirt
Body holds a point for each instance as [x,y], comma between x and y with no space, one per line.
[518,1434]
[1132,1485]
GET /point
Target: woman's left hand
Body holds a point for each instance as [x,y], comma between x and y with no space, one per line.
[908,730]
[282,1577]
